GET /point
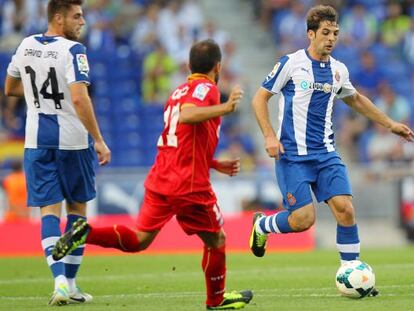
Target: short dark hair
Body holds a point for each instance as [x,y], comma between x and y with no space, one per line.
[60,6]
[318,14]
[204,55]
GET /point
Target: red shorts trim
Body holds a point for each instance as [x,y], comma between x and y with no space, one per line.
[195,212]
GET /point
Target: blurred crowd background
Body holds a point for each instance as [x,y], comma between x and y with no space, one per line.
[138,49]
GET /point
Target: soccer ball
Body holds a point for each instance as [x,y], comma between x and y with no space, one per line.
[355,279]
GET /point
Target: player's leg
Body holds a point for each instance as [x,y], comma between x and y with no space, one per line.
[198,213]
[43,189]
[75,212]
[154,213]
[333,187]
[214,268]
[347,239]
[50,230]
[294,183]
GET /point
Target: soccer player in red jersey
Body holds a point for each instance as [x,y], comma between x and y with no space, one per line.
[179,181]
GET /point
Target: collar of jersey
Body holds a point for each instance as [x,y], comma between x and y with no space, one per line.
[197,76]
[317,61]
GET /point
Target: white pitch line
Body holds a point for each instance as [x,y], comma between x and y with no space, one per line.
[258,293]
[277,270]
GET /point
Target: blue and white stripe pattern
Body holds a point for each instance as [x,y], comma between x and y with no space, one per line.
[347,242]
[307,89]
[51,64]
[276,223]
[50,234]
[73,260]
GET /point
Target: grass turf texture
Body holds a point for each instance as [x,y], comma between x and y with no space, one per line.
[280,281]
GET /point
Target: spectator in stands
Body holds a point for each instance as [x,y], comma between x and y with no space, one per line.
[158,70]
[14,186]
[128,12]
[101,35]
[168,25]
[408,44]
[384,147]
[395,26]
[210,31]
[191,17]
[292,27]
[359,27]
[394,105]
[145,32]
[368,75]
[12,24]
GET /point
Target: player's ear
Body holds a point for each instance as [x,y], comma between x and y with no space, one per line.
[311,35]
[58,18]
[217,68]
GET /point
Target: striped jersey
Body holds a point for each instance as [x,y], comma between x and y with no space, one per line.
[47,66]
[307,89]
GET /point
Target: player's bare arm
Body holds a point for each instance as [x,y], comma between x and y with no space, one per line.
[227,167]
[260,106]
[13,87]
[366,107]
[190,113]
[83,106]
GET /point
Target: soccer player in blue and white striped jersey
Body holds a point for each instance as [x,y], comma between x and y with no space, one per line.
[51,71]
[307,82]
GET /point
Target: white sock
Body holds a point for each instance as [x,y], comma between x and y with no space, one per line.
[258,228]
[72,285]
[59,280]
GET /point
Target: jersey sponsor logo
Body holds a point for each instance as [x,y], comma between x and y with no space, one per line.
[82,62]
[291,199]
[323,87]
[273,72]
[201,91]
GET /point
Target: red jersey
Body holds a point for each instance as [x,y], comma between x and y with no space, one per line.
[185,151]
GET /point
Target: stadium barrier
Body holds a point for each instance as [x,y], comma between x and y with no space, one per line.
[23,238]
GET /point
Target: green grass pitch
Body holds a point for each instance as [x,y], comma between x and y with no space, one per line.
[280,281]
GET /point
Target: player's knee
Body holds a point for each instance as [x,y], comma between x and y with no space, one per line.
[215,240]
[346,215]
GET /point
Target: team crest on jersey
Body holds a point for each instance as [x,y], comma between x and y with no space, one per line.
[201,91]
[291,199]
[337,76]
[273,72]
[82,62]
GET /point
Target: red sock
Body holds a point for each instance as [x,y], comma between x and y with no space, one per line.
[214,267]
[117,236]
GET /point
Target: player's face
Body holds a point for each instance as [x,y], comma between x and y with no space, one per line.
[324,39]
[73,22]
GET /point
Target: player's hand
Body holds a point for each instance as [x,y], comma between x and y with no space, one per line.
[236,95]
[103,152]
[402,130]
[274,147]
[228,167]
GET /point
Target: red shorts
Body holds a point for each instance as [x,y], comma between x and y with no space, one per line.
[195,212]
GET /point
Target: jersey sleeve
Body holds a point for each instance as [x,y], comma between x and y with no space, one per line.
[347,89]
[203,94]
[77,67]
[278,77]
[13,69]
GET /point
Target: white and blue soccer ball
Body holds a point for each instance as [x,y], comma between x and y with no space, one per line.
[355,279]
